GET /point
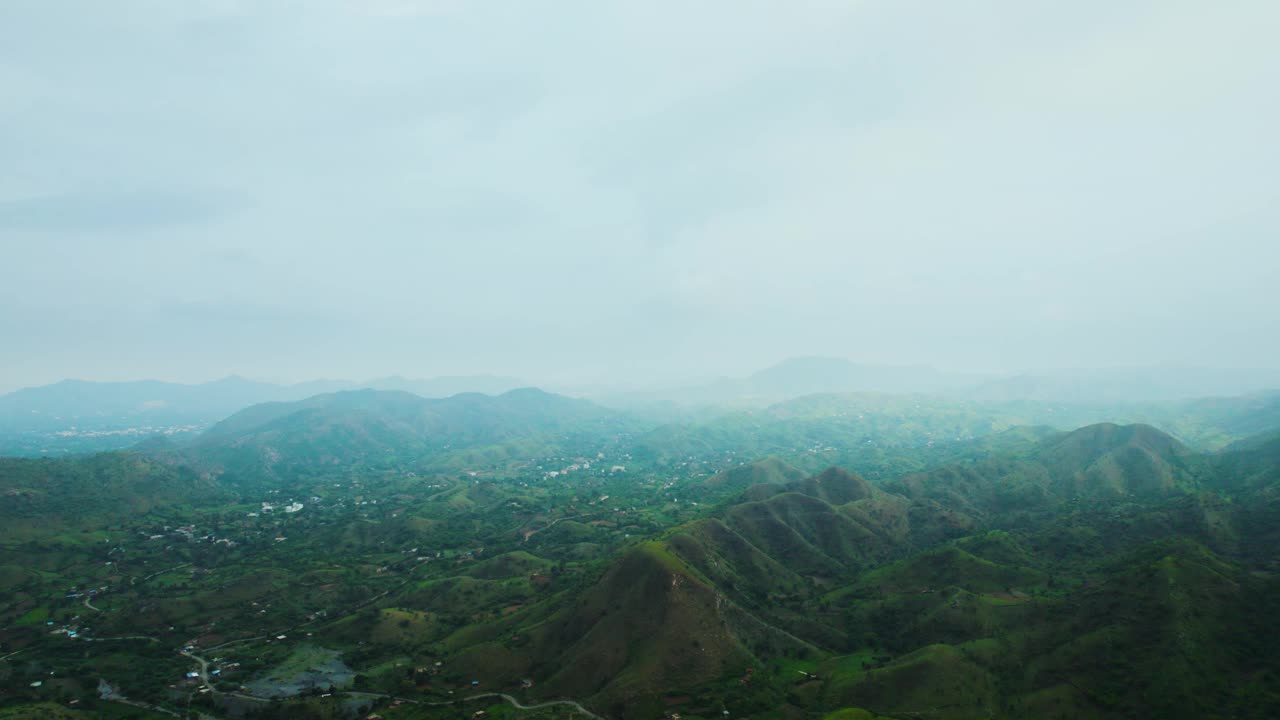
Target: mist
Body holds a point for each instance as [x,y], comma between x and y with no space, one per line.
[577,192]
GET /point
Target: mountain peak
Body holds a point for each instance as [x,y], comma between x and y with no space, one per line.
[813,374]
[1110,436]
[528,392]
[769,470]
[836,486]
[1117,459]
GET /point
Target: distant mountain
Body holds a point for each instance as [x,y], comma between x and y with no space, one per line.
[383,427]
[94,404]
[1266,442]
[862,430]
[1250,463]
[72,401]
[1124,385]
[1110,387]
[446,386]
[809,375]
[796,377]
[1230,417]
[79,416]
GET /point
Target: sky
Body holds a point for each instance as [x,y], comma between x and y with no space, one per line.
[633,191]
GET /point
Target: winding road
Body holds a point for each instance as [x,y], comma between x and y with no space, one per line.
[530,533]
[536,706]
[134,580]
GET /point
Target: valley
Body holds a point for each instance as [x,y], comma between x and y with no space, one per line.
[375,553]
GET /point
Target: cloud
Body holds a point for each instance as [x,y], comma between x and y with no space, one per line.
[545,188]
[116,210]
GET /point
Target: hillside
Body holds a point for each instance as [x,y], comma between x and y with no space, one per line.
[386,428]
[1113,460]
[1096,464]
[650,626]
[770,470]
[949,613]
[45,497]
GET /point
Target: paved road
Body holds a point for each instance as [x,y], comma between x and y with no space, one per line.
[537,706]
[145,706]
[551,524]
[133,580]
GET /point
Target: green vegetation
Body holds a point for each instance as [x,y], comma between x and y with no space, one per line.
[367,552]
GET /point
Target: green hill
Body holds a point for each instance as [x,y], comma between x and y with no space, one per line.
[43,496]
[649,626]
[1107,572]
[1096,464]
[1003,623]
[378,428]
[937,679]
[1109,460]
[768,471]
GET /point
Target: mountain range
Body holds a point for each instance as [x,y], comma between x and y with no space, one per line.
[543,545]
[89,405]
[1108,387]
[388,428]
[83,416]
[1087,576]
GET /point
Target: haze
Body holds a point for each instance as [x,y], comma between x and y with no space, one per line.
[606,192]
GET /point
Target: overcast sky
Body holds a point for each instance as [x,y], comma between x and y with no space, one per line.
[597,190]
